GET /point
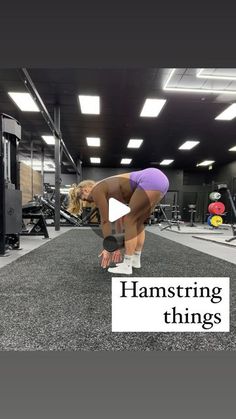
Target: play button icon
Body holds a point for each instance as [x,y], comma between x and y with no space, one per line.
[117,210]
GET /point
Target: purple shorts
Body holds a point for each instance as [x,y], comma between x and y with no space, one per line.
[150,179]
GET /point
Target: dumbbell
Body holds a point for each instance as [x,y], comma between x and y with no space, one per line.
[114,242]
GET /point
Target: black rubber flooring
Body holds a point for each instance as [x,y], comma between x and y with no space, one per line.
[58,298]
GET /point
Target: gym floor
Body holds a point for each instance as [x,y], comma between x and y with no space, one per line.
[54,293]
[224,252]
[52,298]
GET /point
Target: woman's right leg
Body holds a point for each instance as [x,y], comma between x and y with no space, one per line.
[141,237]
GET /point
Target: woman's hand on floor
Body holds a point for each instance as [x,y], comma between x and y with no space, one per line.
[106,258]
[116,256]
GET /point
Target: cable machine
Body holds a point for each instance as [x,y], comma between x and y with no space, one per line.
[10,194]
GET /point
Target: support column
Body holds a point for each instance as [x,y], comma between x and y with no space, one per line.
[32,164]
[79,169]
[57,168]
[42,166]
[2,194]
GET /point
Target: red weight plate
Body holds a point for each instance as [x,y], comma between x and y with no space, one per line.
[216,208]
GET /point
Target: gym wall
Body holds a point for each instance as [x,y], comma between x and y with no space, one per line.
[67,179]
[226,174]
[98,173]
[30,183]
[196,189]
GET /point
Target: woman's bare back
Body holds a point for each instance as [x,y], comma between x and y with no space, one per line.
[117,187]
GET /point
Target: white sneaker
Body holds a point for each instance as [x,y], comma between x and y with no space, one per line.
[121,268]
[136,261]
[136,264]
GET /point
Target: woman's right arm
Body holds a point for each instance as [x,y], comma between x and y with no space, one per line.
[102,204]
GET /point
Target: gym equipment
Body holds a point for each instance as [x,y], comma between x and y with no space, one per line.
[114,242]
[192,210]
[224,187]
[85,221]
[161,208]
[48,210]
[37,225]
[214,196]
[209,220]
[10,194]
[90,216]
[216,208]
[175,215]
[216,220]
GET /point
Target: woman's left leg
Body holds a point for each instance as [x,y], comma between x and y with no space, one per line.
[141,205]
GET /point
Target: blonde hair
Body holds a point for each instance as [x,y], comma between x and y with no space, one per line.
[85,183]
[75,205]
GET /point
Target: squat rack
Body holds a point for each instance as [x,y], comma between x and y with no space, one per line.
[60,145]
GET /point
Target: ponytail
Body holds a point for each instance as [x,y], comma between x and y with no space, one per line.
[75,205]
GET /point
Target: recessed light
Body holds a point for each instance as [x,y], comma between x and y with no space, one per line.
[206,163]
[228,114]
[95,160]
[188,145]
[24,101]
[89,104]
[152,107]
[93,141]
[232,148]
[134,143]
[126,161]
[49,139]
[213,76]
[166,162]
[196,90]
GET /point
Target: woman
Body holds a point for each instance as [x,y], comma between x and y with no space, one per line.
[141,190]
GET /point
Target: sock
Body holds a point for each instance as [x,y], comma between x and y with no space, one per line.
[123,268]
[136,262]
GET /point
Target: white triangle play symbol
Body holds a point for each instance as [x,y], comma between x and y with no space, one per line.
[117,210]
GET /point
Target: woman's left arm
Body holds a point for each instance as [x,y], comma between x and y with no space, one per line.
[100,200]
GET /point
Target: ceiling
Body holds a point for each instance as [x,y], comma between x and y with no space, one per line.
[186,114]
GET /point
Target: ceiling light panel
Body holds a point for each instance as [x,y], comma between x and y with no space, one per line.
[89,104]
[134,143]
[166,162]
[126,161]
[93,141]
[96,160]
[49,139]
[24,101]
[188,145]
[206,163]
[228,114]
[152,107]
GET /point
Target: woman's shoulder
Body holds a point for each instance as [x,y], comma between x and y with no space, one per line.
[99,187]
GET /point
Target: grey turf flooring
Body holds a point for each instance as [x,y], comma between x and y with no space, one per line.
[58,298]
